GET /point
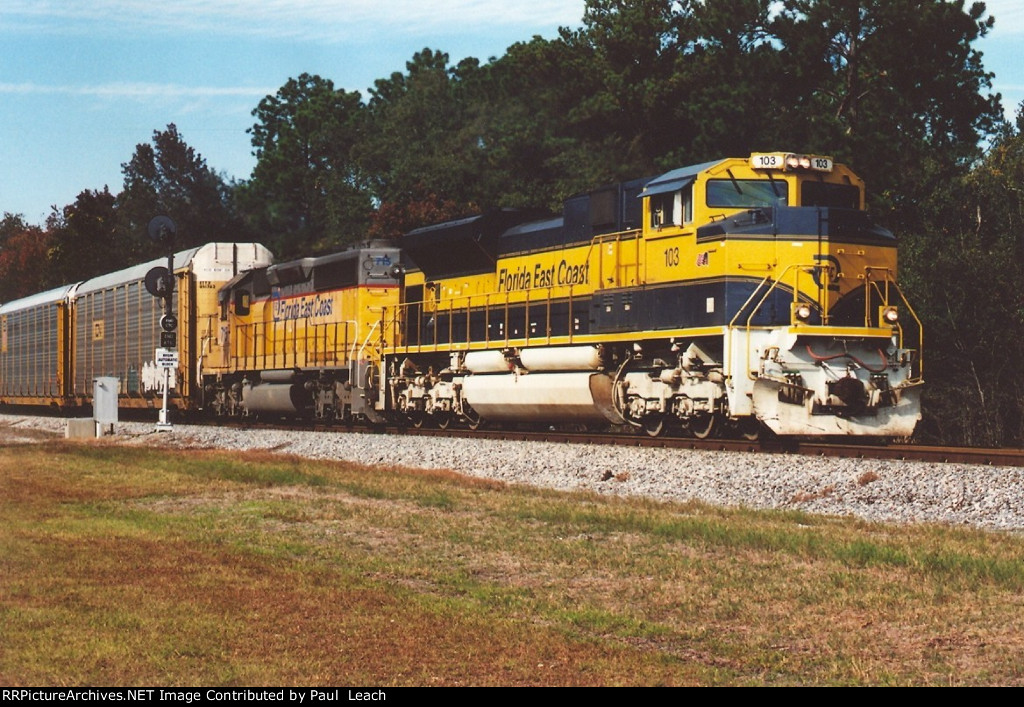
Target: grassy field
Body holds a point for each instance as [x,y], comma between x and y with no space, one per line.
[126,566]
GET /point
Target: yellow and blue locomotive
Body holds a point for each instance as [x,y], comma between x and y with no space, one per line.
[730,294]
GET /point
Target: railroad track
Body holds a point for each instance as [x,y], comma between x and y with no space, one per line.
[815,448]
[899,452]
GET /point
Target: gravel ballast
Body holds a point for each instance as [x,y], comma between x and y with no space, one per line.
[903,492]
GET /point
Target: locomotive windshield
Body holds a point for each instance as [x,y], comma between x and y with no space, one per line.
[843,196]
[745,193]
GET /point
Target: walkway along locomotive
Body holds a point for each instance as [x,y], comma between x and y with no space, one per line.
[721,296]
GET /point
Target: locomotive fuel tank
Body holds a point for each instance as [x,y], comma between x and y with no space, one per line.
[566,397]
[540,385]
[279,393]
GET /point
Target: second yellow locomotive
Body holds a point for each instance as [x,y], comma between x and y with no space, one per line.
[304,338]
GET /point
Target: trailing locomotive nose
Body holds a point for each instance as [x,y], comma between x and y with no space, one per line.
[851,392]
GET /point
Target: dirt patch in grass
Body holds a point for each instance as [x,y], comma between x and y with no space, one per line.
[13,432]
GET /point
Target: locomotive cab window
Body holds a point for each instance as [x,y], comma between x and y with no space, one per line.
[746,193]
[672,209]
[242,302]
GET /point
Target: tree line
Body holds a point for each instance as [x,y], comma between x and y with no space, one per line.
[895,88]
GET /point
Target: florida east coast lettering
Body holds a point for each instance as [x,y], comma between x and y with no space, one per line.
[560,275]
[314,308]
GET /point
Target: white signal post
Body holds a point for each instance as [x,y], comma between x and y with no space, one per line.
[169,359]
[162,230]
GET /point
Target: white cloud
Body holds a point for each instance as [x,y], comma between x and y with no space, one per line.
[327,20]
[1009,16]
[142,91]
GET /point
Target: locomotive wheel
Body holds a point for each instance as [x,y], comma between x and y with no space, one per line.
[415,419]
[654,425]
[473,420]
[702,426]
[749,429]
[443,420]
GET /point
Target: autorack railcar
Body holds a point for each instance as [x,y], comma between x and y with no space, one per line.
[35,348]
[56,343]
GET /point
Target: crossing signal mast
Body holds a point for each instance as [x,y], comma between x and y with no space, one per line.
[160,283]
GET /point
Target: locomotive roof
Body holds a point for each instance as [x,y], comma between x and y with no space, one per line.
[462,246]
[676,179]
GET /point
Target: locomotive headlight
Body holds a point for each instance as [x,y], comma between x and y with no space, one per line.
[798,162]
[888,316]
[801,312]
[815,163]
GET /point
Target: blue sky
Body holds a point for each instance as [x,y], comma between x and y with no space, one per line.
[83,82]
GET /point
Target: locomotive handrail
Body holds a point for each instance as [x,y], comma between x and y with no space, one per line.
[366,341]
[281,347]
[616,237]
[798,267]
[889,279]
[495,308]
[871,282]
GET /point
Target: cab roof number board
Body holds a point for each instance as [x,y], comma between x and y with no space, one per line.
[790,162]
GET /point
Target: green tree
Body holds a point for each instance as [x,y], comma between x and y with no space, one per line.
[734,94]
[169,177]
[23,258]
[625,117]
[964,269]
[523,105]
[593,105]
[307,192]
[422,137]
[895,87]
[87,238]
